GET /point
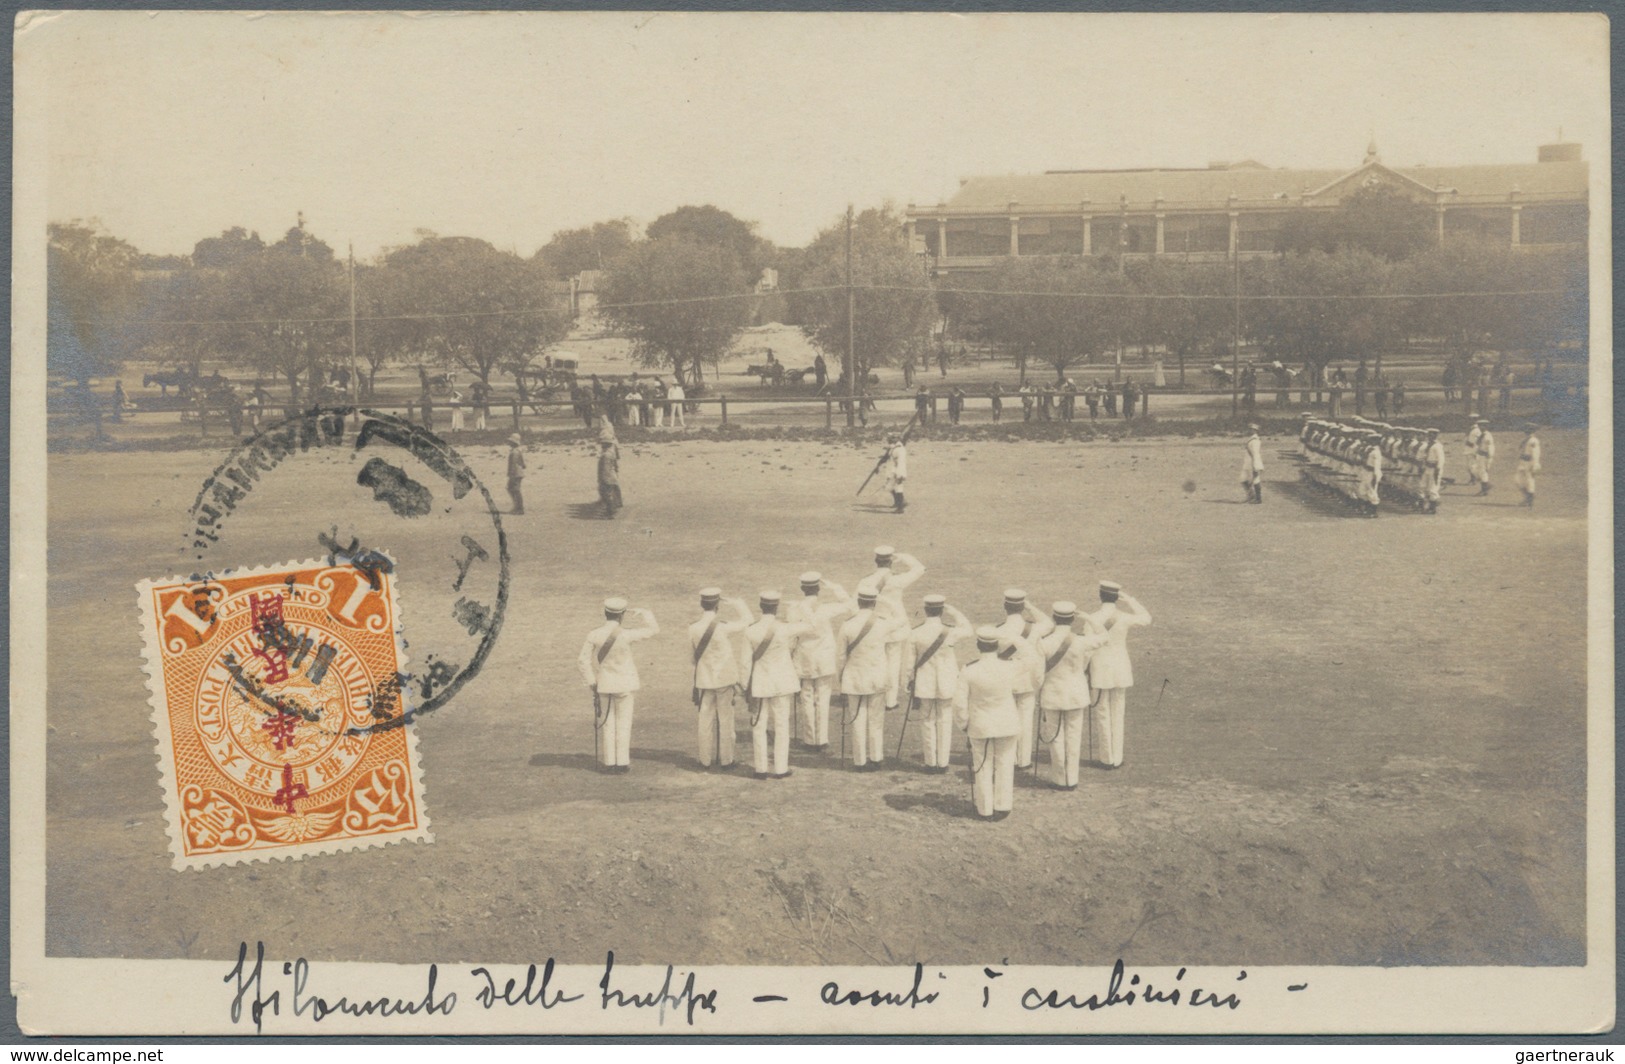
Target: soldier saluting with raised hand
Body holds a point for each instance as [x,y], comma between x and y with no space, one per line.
[772,686]
[609,669]
[1065,696]
[716,674]
[814,654]
[1110,672]
[928,658]
[1022,628]
[985,710]
[894,572]
[863,649]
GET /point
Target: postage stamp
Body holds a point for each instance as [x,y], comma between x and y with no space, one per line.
[265,688]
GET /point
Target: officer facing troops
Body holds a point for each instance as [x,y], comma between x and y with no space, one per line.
[1469,447]
[814,654]
[1021,629]
[716,674]
[1252,467]
[897,468]
[933,671]
[894,572]
[864,648]
[609,669]
[1528,464]
[1065,695]
[985,710]
[773,686]
[1432,471]
[1110,671]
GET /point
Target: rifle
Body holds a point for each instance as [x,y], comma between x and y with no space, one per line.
[882,463]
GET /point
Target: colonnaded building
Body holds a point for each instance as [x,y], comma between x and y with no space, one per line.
[1237,209]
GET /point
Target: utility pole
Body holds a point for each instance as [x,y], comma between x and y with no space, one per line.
[851,369]
[355,366]
[1235,349]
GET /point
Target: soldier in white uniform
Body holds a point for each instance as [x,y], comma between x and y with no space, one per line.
[1252,467]
[607,666]
[863,649]
[716,675]
[814,654]
[773,686]
[1469,447]
[1432,471]
[1110,672]
[1065,695]
[1528,464]
[889,583]
[1485,456]
[933,671]
[1371,474]
[1023,626]
[896,471]
[985,710]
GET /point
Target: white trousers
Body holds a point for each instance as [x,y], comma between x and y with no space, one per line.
[479,419]
[894,673]
[868,725]
[456,419]
[1063,732]
[1026,701]
[994,764]
[659,412]
[774,716]
[1106,725]
[677,416]
[936,722]
[614,731]
[1525,478]
[813,706]
[716,726]
[1430,485]
[1481,468]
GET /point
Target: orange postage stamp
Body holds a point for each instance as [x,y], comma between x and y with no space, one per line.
[281,712]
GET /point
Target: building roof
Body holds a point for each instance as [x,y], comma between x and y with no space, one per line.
[1106,189]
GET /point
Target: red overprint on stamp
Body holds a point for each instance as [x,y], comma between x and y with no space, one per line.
[273,690]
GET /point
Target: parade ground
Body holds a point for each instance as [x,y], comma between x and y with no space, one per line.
[1350,741]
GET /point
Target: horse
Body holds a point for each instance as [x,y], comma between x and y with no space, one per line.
[165,379]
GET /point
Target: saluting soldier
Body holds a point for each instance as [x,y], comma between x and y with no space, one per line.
[814,654]
[890,582]
[1110,672]
[864,648]
[933,669]
[1486,456]
[609,669]
[1528,464]
[985,710]
[773,686]
[716,674]
[1065,694]
[1023,626]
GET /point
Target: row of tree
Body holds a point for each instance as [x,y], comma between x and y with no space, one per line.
[1345,284]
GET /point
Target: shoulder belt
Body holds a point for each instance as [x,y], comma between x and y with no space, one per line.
[603,650]
[761,648]
[936,644]
[705,640]
[870,623]
[1060,652]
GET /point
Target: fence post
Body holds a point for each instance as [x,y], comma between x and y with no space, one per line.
[516,415]
[829,414]
[723,399]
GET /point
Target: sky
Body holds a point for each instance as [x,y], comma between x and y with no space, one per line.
[173,126]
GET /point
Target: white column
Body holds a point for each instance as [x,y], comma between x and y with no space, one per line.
[1438,214]
[1516,238]
[1235,233]
[1159,232]
[1015,235]
[1088,225]
[942,238]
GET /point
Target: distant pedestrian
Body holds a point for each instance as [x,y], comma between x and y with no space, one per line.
[1091,398]
[679,399]
[516,473]
[1399,398]
[609,476]
[996,399]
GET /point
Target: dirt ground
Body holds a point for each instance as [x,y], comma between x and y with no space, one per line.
[1352,742]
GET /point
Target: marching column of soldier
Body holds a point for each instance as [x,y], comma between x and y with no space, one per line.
[1059,681]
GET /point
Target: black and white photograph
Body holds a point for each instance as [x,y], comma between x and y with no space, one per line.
[694,523]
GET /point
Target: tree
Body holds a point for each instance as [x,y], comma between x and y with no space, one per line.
[1059,313]
[285,315]
[219,252]
[895,304]
[1319,306]
[182,330]
[298,241]
[714,227]
[476,306]
[1476,293]
[1187,311]
[91,297]
[682,303]
[1379,220]
[593,247]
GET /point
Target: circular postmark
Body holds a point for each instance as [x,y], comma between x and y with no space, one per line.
[377,494]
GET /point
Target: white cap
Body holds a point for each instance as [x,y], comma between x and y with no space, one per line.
[935,600]
[811,576]
[988,635]
[712,593]
[770,598]
[868,590]
[885,551]
[1064,609]
[1014,596]
[615,605]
